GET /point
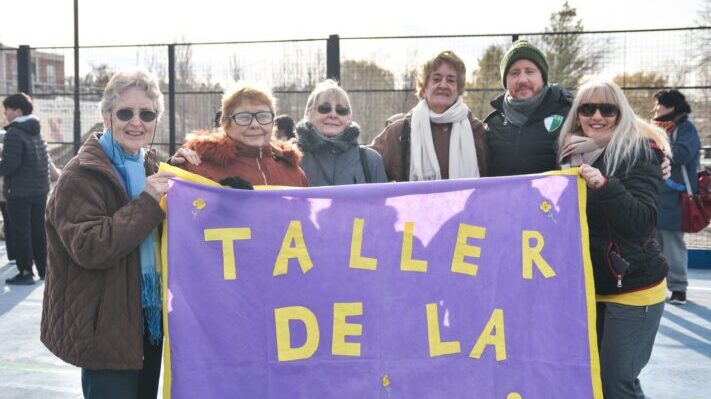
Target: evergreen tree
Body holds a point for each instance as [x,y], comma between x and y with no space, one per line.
[569,57]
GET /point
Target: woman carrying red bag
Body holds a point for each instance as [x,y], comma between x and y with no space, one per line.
[671,112]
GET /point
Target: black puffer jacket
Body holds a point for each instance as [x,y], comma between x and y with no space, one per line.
[25,163]
[621,217]
[531,148]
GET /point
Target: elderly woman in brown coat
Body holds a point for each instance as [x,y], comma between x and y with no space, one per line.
[439,138]
[102,302]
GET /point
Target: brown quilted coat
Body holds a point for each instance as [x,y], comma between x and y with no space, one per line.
[91,315]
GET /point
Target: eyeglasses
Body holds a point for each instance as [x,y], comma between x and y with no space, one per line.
[326,109]
[246,118]
[126,114]
[606,110]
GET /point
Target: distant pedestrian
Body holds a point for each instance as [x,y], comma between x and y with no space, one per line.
[6,225]
[102,301]
[284,127]
[671,112]
[25,171]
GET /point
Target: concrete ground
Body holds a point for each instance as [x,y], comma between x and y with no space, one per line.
[680,366]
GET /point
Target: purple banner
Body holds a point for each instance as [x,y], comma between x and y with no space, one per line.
[475,288]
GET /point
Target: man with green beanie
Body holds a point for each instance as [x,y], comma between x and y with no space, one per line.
[522,131]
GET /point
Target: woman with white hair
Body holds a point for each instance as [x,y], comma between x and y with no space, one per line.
[102,300]
[619,157]
[328,138]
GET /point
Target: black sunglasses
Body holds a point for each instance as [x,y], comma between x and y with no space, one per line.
[606,110]
[126,114]
[326,109]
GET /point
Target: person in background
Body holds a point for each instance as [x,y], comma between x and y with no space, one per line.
[102,300]
[244,146]
[284,127]
[619,157]
[6,225]
[25,171]
[328,137]
[671,113]
[439,138]
[522,131]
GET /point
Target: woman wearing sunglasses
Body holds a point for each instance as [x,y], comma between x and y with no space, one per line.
[619,157]
[329,139]
[244,146]
[102,299]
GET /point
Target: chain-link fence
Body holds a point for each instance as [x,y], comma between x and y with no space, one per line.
[378,72]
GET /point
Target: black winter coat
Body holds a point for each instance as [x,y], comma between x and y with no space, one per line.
[531,148]
[622,216]
[25,163]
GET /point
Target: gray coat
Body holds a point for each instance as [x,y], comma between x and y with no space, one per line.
[332,161]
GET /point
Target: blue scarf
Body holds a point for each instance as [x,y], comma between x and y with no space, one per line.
[133,176]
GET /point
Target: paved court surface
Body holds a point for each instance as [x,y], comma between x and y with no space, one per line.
[680,366]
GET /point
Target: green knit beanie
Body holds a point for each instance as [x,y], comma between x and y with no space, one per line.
[522,49]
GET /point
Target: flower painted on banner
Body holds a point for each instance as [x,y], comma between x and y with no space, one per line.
[546,208]
[198,205]
[386,384]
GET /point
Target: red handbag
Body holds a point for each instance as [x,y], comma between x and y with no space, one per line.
[696,208]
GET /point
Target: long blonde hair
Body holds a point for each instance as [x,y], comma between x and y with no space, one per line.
[627,142]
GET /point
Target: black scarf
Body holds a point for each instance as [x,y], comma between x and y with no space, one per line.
[311,140]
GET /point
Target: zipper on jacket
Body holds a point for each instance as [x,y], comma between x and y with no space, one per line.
[259,166]
[617,276]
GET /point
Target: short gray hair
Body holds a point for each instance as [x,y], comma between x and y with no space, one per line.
[327,89]
[124,80]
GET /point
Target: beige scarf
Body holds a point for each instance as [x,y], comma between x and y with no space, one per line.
[462,152]
[582,150]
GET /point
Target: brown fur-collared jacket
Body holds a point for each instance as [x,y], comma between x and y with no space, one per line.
[275,163]
[91,314]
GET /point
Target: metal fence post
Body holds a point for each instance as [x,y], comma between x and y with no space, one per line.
[24,69]
[171,99]
[333,58]
[77,84]
[514,38]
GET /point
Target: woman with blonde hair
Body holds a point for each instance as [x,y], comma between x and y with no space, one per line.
[244,146]
[329,139]
[619,156]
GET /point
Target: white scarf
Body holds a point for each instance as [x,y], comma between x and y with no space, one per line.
[462,152]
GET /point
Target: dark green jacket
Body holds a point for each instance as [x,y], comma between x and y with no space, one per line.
[531,148]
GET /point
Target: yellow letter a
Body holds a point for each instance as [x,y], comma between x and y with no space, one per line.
[299,251]
[496,321]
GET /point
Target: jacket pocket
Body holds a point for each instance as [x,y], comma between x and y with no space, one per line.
[617,265]
[98,314]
